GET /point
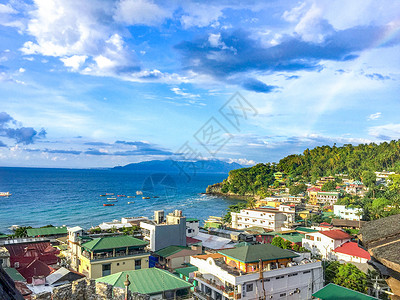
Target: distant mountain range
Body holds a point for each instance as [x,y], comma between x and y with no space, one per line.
[170,166]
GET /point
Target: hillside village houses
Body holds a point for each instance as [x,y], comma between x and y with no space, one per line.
[348,213]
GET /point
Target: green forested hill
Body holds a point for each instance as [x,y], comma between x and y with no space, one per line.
[313,164]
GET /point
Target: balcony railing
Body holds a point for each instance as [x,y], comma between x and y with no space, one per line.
[97,256]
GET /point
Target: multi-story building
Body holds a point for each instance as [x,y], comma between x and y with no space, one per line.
[162,233]
[355,188]
[192,227]
[256,272]
[261,217]
[112,254]
[74,245]
[348,213]
[324,242]
[329,198]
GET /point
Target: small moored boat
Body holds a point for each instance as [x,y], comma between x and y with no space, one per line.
[145,197]
[108,204]
[5,194]
[139,193]
[113,198]
[131,197]
[121,195]
[131,202]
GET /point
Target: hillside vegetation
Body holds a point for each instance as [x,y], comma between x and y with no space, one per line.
[311,165]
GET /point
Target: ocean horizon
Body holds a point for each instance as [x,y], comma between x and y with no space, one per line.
[71,197]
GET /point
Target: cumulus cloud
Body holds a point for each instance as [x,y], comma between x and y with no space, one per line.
[140,12]
[22,135]
[292,53]
[377,76]
[181,92]
[385,132]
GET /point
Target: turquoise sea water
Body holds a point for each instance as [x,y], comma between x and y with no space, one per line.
[72,197]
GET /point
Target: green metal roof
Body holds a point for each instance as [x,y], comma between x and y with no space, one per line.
[111,242]
[306,229]
[3,236]
[253,253]
[336,292]
[170,250]
[186,271]
[47,231]
[294,237]
[14,274]
[192,220]
[146,281]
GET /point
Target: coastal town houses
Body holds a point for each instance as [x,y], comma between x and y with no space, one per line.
[256,272]
[173,257]
[192,227]
[348,213]
[351,252]
[163,232]
[324,242]
[157,284]
[262,217]
[111,254]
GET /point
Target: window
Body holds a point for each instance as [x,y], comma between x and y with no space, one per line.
[106,269]
[282,295]
[138,264]
[305,272]
[117,264]
[293,274]
[280,277]
[249,287]
[318,239]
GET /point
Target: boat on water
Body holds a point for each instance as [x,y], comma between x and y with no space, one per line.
[131,197]
[113,198]
[145,197]
[121,195]
[5,194]
[109,194]
[131,202]
[108,204]
[156,197]
[139,193]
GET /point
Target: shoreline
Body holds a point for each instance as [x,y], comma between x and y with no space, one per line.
[230,196]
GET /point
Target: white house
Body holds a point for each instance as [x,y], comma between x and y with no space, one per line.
[351,252]
[218,279]
[348,213]
[261,217]
[324,242]
[192,227]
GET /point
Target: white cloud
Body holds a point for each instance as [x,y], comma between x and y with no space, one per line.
[243,161]
[313,27]
[21,70]
[374,116]
[181,92]
[295,13]
[200,15]
[74,62]
[7,9]
[385,132]
[140,12]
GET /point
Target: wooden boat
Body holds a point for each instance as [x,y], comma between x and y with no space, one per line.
[109,194]
[5,194]
[103,195]
[131,202]
[131,197]
[113,198]
[145,197]
[156,197]
[108,204]
[121,195]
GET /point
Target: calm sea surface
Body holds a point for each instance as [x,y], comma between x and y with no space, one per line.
[72,197]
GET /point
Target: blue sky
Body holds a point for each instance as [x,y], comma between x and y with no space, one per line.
[102,83]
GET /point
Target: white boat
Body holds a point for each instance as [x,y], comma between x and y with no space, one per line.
[131,202]
[139,193]
[5,194]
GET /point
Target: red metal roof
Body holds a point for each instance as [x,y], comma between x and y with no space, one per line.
[336,234]
[314,189]
[351,248]
[191,241]
[35,268]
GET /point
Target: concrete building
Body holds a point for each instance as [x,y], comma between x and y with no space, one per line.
[324,242]
[173,257]
[108,255]
[256,272]
[329,198]
[162,232]
[261,217]
[74,234]
[351,252]
[348,213]
[192,227]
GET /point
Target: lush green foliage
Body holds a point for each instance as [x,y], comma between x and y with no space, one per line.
[353,160]
[250,181]
[281,243]
[297,189]
[21,232]
[359,162]
[233,208]
[328,186]
[349,276]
